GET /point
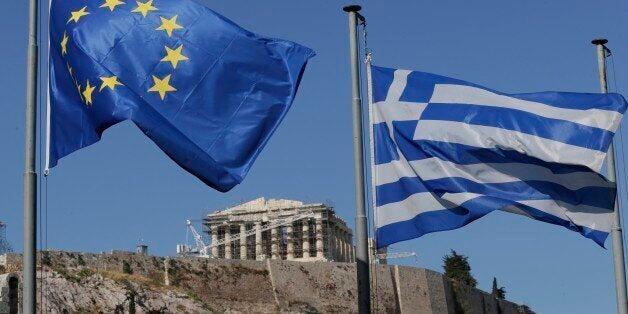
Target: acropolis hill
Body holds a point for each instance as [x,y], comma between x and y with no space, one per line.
[122,282]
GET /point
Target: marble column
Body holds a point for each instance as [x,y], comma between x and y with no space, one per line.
[319,239]
[274,246]
[341,253]
[341,240]
[214,231]
[290,245]
[227,242]
[306,238]
[258,240]
[243,241]
[353,252]
[331,242]
[349,245]
[338,244]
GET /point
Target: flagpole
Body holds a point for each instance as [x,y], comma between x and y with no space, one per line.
[361,231]
[29,287]
[618,240]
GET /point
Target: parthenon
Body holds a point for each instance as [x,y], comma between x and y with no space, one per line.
[319,236]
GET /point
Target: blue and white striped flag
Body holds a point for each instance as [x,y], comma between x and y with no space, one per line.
[447,152]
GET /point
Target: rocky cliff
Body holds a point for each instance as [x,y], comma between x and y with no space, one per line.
[128,283]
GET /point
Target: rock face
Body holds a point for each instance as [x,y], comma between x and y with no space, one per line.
[128,283]
[95,293]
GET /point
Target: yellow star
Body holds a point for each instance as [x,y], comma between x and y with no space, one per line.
[110,82]
[69,69]
[64,44]
[174,56]
[144,7]
[162,86]
[87,93]
[76,15]
[111,4]
[169,25]
[78,86]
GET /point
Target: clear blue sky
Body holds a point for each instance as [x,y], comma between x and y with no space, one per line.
[123,188]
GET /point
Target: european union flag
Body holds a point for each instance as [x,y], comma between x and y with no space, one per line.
[207,92]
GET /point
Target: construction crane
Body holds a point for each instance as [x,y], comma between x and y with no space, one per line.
[392,255]
[204,250]
[5,247]
[201,249]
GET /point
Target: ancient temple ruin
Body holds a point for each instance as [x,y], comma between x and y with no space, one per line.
[267,231]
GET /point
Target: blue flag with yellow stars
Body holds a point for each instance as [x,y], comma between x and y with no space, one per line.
[207,92]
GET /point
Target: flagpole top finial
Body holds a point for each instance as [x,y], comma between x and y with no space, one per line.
[599,41]
[352,8]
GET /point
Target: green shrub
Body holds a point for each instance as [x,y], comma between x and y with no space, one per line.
[85,272]
[45,258]
[126,268]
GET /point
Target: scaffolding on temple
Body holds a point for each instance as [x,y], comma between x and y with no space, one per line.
[279,229]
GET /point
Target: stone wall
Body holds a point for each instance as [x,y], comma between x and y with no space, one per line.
[10,262]
[9,300]
[274,286]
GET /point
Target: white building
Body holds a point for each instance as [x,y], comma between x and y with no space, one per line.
[321,236]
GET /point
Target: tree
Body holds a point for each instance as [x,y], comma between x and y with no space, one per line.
[499,293]
[457,267]
[126,268]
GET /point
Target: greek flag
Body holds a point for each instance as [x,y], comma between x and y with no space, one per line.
[447,152]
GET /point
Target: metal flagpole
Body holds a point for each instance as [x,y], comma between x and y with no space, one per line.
[618,240]
[361,231]
[29,292]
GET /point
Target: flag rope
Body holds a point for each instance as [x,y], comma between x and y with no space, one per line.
[44,118]
[370,191]
[40,179]
[621,186]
